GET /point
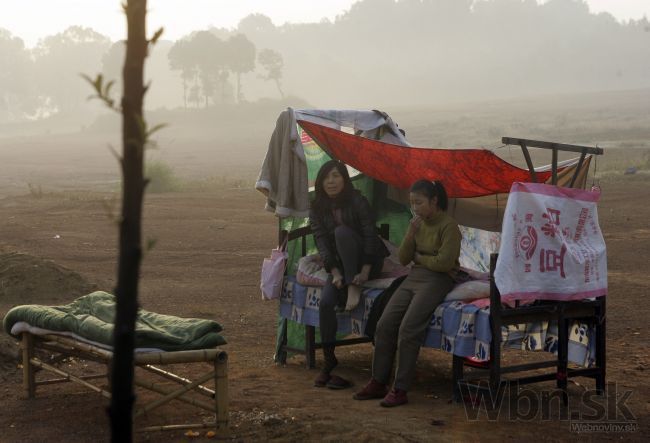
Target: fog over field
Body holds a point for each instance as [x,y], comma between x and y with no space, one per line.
[452,73]
[378,53]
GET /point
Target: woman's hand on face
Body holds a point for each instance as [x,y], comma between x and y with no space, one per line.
[337,278]
[414,224]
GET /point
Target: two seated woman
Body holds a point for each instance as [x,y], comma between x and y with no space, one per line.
[347,240]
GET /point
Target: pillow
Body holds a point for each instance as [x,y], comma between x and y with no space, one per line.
[311,271]
[470,290]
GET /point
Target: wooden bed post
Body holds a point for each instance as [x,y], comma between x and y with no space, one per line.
[29,378]
[495,324]
[562,353]
[601,346]
[310,346]
[457,371]
[221,394]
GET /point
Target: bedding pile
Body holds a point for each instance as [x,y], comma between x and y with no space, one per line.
[92,317]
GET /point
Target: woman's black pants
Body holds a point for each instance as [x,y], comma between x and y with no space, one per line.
[349,247]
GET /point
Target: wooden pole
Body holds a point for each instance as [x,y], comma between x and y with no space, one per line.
[130,247]
[165,391]
[174,394]
[184,381]
[221,397]
[73,378]
[28,370]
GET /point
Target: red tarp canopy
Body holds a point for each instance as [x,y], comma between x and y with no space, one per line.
[464,172]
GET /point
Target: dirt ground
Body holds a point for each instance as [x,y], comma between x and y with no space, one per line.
[57,241]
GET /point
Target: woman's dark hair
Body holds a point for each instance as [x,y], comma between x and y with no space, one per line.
[431,189]
[322,202]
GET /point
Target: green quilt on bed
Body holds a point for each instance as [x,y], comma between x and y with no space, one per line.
[92,317]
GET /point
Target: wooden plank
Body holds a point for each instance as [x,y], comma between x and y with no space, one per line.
[103,353]
[54,381]
[534,379]
[529,366]
[162,358]
[578,168]
[551,145]
[176,427]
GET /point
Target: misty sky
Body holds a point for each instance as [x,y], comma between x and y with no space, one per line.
[180,17]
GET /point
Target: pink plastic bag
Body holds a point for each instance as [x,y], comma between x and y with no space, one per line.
[273,273]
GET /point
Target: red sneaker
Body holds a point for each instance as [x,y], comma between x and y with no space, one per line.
[396,397]
[476,363]
[372,390]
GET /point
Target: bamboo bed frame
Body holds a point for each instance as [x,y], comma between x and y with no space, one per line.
[64,347]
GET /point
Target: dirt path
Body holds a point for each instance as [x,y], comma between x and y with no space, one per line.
[205,264]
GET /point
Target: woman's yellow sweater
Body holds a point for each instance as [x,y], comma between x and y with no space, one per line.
[437,241]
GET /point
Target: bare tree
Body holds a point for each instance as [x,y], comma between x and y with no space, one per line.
[134,139]
[135,136]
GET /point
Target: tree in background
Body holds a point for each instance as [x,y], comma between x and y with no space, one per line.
[209,54]
[241,59]
[18,95]
[254,24]
[180,59]
[60,58]
[205,62]
[272,61]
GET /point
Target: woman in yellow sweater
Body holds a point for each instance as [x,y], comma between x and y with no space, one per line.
[432,243]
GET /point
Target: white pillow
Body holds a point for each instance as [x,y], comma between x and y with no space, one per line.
[470,290]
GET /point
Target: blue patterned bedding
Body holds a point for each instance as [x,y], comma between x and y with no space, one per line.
[459,328]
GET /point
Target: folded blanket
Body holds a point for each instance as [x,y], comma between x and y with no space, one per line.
[92,317]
